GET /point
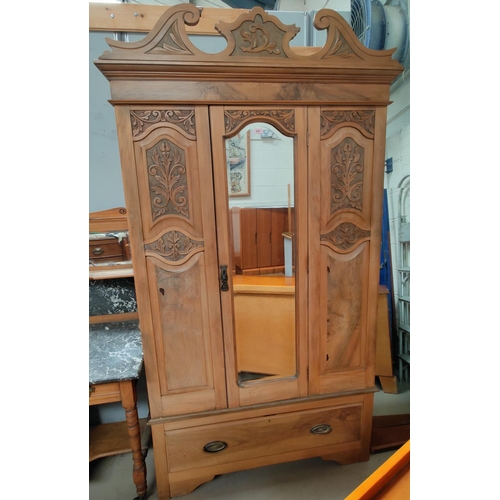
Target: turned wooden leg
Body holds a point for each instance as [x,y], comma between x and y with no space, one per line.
[129,403]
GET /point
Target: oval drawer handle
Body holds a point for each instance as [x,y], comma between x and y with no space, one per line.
[215,446]
[97,251]
[321,429]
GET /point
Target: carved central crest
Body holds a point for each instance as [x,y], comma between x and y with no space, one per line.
[257,34]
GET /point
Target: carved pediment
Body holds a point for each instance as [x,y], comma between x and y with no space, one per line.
[256,40]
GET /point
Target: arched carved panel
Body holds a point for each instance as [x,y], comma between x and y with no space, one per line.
[345,237]
[363,120]
[184,119]
[347,176]
[283,118]
[166,165]
[175,247]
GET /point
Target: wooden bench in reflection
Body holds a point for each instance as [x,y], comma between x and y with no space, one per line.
[265,324]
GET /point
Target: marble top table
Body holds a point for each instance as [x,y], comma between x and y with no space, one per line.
[115,352]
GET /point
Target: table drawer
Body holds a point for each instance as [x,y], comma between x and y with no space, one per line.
[263,436]
[104,250]
[104,393]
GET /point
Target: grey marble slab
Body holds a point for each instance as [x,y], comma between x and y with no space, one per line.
[115,352]
[113,296]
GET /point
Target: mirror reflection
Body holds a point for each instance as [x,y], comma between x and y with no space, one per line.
[260,169]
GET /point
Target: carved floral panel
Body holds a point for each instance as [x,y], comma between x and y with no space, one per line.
[166,164]
[286,117]
[347,176]
[333,118]
[345,235]
[174,246]
[143,119]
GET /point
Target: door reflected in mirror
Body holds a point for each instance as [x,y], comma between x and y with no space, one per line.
[260,170]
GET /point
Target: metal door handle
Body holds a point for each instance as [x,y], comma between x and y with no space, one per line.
[224,277]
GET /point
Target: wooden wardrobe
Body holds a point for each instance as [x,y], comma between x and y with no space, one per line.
[175,107]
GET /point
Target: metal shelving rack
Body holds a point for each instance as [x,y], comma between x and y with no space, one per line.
[403,269]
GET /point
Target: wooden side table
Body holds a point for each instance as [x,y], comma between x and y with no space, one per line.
[115,363]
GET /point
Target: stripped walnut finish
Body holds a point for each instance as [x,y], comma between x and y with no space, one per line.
[332,101]
[344,303]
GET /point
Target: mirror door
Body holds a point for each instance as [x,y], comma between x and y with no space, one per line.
[259,158]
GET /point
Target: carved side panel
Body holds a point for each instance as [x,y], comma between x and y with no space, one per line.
[177,256]
[344,250]
[166,164]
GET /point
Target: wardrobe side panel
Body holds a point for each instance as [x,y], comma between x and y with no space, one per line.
[341,250]
[174,175]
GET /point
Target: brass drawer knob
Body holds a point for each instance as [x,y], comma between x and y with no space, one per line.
[215,446]
[321,429]
[91,390]
[97,251]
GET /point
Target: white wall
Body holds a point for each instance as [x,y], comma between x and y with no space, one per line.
[271,169]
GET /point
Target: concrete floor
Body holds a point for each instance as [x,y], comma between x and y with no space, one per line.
[312,479]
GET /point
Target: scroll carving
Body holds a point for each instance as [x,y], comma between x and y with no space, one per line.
[172,42]
[339,47]
[174,246]
[331,119]
[167,180]
[345,235]
[347,176]
[285,117]
[142,120]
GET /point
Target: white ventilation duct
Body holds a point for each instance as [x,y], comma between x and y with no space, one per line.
[378,24]
[382,25]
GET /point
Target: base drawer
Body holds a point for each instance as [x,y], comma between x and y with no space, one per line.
[263,436]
